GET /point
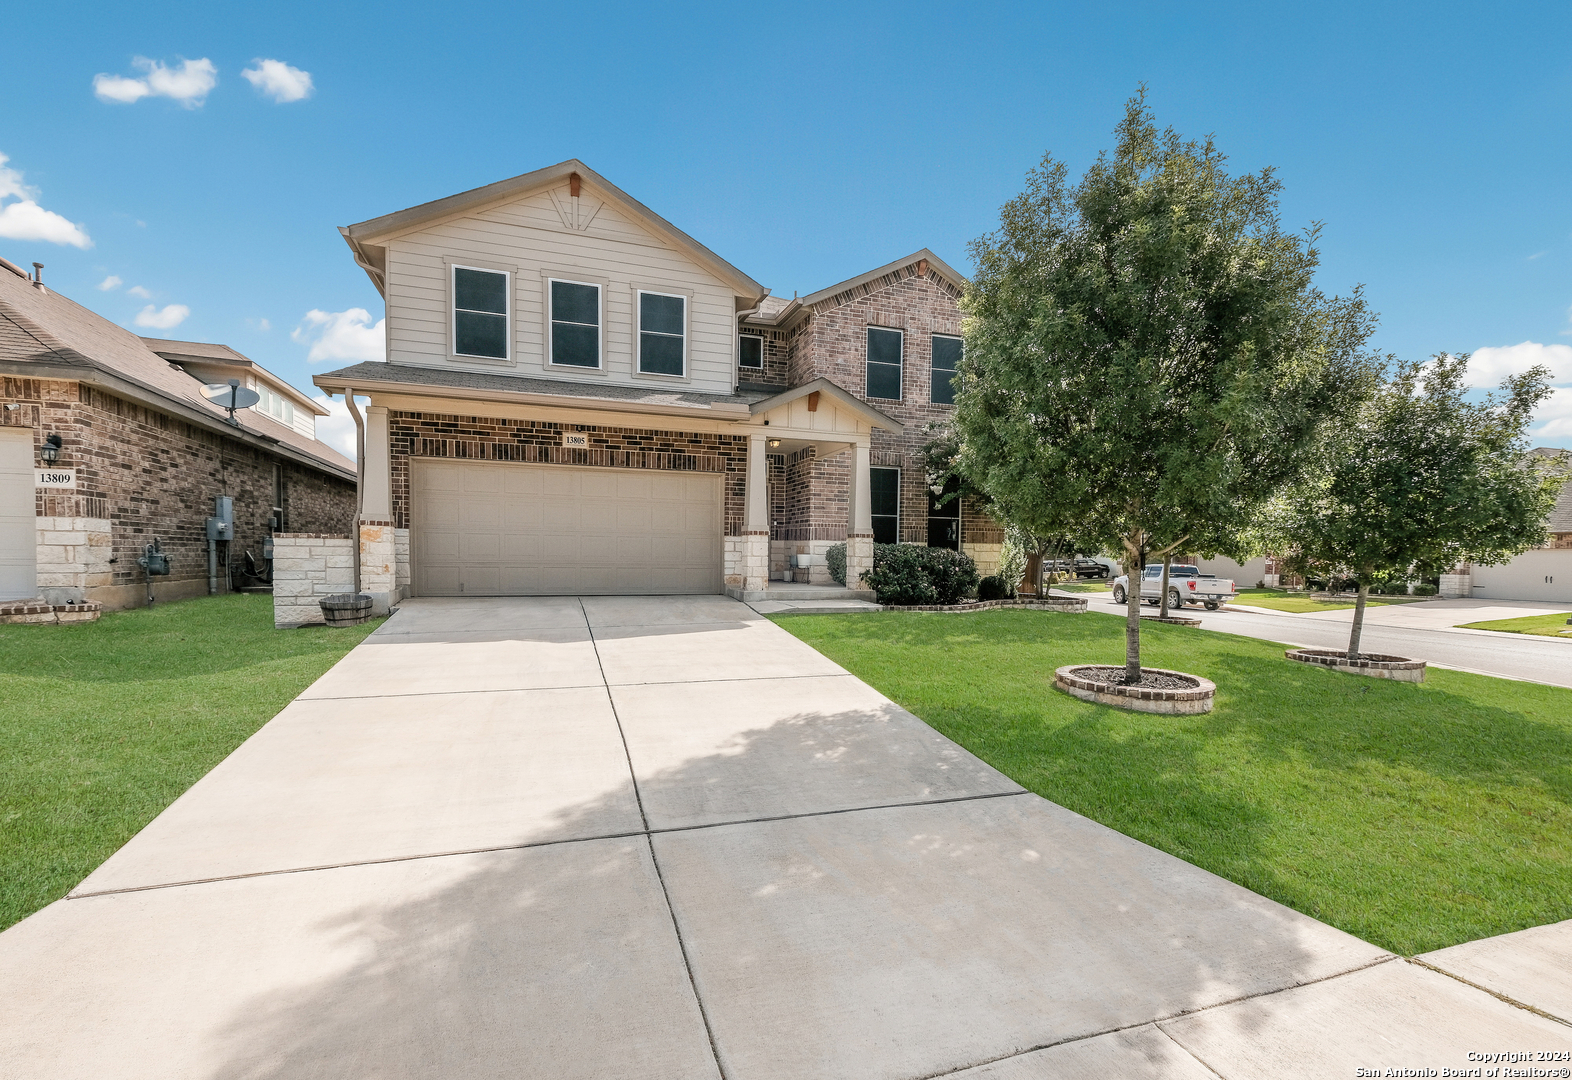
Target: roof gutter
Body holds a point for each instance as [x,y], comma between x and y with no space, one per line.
[714,411]
[378,278]
[146,395]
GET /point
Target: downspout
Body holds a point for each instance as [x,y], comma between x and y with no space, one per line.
[360,483]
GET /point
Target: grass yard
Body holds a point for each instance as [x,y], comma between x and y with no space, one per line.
[1415,816]
[1082,586]
[104,724]
[1288,600]
[1538,625]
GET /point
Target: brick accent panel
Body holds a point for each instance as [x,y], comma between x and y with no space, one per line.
[152,475]
[776,372]
[481,438]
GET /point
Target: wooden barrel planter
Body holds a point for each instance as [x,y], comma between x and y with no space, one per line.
[345,609]
[1376,665]
[1161,691]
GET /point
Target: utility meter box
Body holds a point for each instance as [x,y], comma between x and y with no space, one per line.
[221,526]
[154,560]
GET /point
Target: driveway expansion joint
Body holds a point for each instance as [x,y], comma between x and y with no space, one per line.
[1514,1002]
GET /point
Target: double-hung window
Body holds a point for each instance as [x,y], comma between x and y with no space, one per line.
[480,313]
[750,351]
[663,334]
[274,404]
[884,363]
[946,358]
[575,324]
[884,493]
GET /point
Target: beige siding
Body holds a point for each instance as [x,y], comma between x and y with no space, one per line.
[528,238]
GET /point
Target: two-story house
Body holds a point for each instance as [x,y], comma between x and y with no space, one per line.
[581,398]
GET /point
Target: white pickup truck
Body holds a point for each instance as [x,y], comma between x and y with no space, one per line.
[1186,585]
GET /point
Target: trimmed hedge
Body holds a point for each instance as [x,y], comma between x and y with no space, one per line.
[908,574]
[835,559]
[992,587]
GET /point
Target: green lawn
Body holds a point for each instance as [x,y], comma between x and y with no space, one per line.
[1539,625]
[1415,816]
[1083,586]
[103,724]
[1288,600]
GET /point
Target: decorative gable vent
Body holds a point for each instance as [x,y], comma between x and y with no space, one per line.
[575,210]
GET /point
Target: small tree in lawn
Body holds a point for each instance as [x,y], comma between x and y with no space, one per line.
[1417,478]
[1146,348]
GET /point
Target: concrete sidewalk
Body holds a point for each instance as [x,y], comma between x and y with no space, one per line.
[661,837]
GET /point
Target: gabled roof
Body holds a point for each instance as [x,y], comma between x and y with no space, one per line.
[48,336]
[872,277]
[843,398]
[214,357]
[373,233]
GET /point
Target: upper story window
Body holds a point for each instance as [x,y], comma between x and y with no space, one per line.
[575,324]
[663,334]
[884,362]
[480,313]
[275,405]
[946,358]
[750,351]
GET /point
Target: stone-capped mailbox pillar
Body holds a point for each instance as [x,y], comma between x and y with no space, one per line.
[307,567]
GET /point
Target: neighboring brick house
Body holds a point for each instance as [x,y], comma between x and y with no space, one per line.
[141,454]
[581,398]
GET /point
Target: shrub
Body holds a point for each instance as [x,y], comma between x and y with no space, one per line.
[908,574]
[992,587]
[1425,590]
[835,559]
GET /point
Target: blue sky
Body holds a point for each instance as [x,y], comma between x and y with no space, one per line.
[805,143]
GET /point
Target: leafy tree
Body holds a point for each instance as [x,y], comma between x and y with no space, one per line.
[1417,479]
[1147,349]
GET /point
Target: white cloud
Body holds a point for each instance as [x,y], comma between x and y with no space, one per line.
[26,220]
[341,335]
[110,282]
[170,316]
[1488,366]
[188,84]
[279,81]
[1555,420]
[137,290]
[259,324]
[337,429]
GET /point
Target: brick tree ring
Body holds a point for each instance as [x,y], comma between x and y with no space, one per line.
[1376,665]
[1174,693]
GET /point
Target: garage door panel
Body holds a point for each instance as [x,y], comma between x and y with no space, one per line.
[514,529]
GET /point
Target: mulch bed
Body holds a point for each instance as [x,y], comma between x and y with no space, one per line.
[1150,680]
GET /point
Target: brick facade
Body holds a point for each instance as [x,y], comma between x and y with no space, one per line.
[482,438]
[831,342]
[150,475]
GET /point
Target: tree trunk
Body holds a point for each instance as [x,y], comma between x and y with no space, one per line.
[1359,619]
[1132,613]
[1162,603]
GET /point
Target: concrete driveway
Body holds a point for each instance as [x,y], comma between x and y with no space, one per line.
[661,837]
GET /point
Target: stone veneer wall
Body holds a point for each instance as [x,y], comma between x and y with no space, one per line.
[151,475]
[73,557]
[307,567]
[479,438]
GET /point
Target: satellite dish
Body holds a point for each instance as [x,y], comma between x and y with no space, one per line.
[231,396]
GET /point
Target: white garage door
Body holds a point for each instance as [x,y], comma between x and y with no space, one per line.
[527,530]
[18,526]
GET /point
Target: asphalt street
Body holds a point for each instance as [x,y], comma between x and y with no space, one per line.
[1413,630]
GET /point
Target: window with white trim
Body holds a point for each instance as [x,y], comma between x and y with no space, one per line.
[663,334]
[480,313]
[575,323]
[275,405]
[750,351]
[884,495]
[884,363]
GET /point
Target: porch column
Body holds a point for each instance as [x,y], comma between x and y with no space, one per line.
[755,568]
[859,518]
[378,561]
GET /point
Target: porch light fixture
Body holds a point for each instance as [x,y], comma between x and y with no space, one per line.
[50,451]
[775,444]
